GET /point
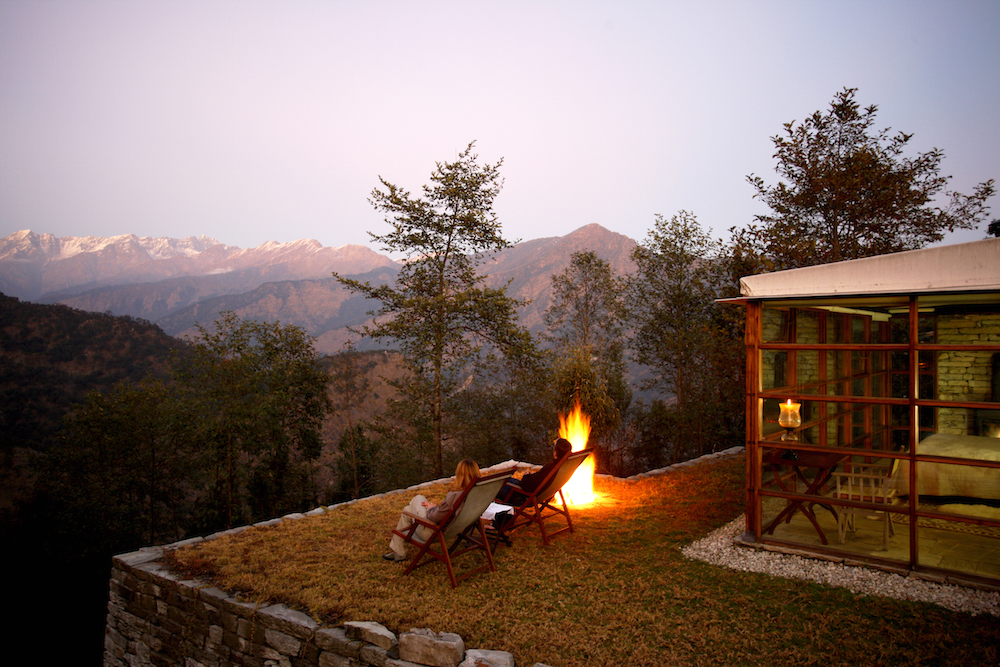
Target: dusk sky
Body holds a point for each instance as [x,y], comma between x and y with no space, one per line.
[272,121]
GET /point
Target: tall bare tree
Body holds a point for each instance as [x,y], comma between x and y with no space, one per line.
[351,388]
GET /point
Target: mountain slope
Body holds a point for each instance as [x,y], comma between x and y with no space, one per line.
[529,266]
[177,283]
[323,308]
[41,267]
[51,356]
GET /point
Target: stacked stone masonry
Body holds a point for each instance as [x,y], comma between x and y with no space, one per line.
[157,618]
[964,375]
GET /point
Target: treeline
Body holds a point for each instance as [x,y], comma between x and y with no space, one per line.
[479,385]
[665,317]
[231,435]
[217,433]
[53,356]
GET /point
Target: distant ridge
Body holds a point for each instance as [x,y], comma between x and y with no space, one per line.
[529,266]
[44,268]
[176,283]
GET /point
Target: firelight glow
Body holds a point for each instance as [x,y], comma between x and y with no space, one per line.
[575,427]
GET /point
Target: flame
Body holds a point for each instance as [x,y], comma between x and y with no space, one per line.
[575,427]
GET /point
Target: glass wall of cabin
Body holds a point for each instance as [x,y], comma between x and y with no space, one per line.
[897,457]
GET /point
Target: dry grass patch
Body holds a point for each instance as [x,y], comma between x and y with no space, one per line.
[617,591]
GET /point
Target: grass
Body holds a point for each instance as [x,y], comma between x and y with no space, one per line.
[618,591]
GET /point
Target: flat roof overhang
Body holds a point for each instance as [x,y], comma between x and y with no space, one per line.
[965,272]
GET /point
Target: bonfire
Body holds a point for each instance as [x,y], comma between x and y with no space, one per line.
[575,427]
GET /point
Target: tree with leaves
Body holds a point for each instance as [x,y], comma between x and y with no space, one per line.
[587,309]
[683,334]
[121,478]
[848,191]
[351,387]
[258,396]
[585,321]
[439,310]
[576,376]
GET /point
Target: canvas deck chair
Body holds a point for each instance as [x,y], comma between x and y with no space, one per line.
[541,504]
[462,526]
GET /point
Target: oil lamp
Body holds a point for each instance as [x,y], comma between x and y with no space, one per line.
[790,419]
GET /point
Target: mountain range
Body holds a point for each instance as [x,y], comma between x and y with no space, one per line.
[176,283]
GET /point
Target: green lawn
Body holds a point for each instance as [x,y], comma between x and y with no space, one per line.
[618,591]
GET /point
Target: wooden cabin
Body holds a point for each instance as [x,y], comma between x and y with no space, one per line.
[873,411]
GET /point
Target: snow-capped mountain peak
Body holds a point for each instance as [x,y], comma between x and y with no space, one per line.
[32,265]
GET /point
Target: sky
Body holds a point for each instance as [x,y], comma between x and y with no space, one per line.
[251,121]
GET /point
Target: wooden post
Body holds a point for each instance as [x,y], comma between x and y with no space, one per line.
[914,424]
[752,338]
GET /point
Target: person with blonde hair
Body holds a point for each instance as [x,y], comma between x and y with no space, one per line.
[466,472]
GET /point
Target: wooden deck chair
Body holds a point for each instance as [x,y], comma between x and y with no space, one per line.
[866,483]
[463,525]
[540,504]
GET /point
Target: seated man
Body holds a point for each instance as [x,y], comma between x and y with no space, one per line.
[512,492]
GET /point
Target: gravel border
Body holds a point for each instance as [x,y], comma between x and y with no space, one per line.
[720,548]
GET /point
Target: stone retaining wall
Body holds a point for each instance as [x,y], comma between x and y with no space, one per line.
[157,618]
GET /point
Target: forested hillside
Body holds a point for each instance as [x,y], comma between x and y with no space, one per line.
[117,436]
[51,356]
